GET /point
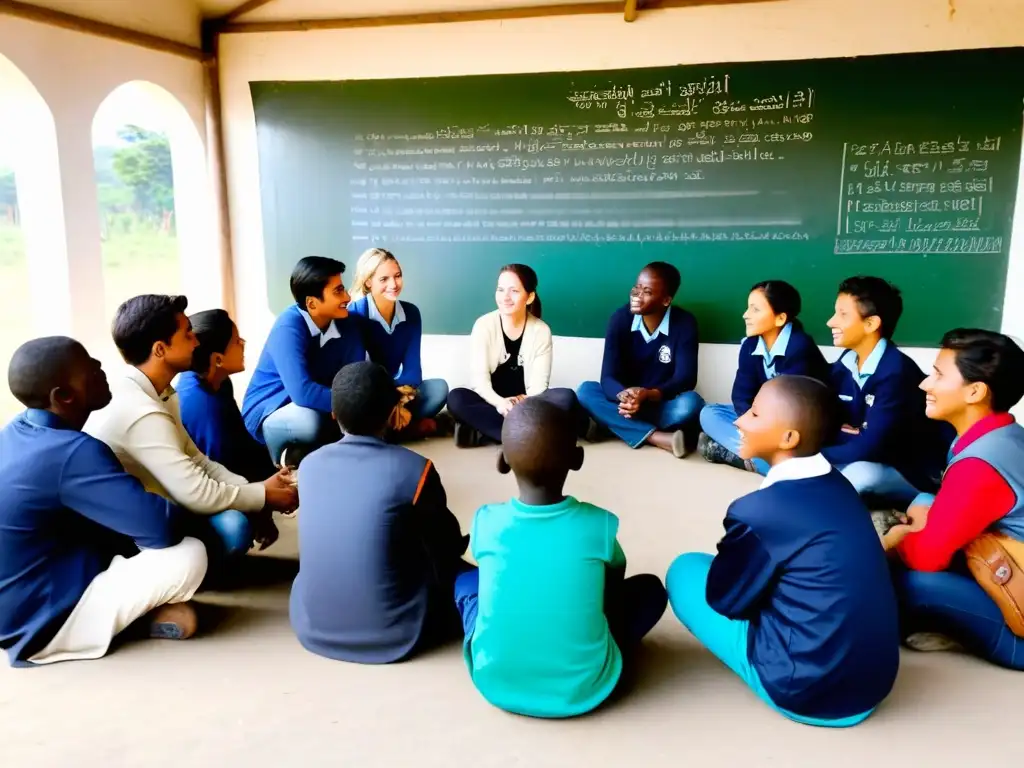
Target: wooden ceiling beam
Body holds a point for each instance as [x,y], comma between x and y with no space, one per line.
[243,9]
[630,11]
[99,29]
[498,14]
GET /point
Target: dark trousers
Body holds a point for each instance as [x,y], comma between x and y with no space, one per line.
[467,407]
[952,603]
[633,606]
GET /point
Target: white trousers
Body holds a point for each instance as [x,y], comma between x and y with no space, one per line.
[128,590]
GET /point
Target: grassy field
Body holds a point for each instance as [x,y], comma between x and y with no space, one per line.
[140,262]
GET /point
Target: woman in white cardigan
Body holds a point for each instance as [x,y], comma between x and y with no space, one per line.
[510,352]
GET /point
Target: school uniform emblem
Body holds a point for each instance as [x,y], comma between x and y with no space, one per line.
[664,354]
[869,399]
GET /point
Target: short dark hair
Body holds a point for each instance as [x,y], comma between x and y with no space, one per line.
[363,395]
[875,296]
[813,409]
[213,329]
[40,366]
[141,322]
[782,297]
[668,274]
[538,439]
[310,277]
[529,280]
[994,359]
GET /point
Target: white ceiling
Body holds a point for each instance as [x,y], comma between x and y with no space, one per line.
[291,10]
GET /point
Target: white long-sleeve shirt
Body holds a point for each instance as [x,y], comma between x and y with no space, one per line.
[144,430]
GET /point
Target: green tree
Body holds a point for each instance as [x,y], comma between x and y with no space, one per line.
[144,166]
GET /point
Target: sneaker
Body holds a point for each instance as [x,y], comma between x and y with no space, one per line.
[173,622]
[716,453]
[466,436]
[927,642]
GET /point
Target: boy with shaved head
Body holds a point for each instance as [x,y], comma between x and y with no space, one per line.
[84,550]
[549,618]
[798,601]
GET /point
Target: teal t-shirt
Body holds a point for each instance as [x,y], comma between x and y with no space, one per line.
[541,645]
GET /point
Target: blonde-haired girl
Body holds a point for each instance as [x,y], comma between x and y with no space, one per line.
[395,330]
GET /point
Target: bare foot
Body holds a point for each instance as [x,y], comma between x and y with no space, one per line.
[173,622]
[673,442]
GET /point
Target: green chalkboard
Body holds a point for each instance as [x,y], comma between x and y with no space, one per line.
[904,166]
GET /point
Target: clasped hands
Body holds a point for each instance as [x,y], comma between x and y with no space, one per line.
[632,398]
[912,522]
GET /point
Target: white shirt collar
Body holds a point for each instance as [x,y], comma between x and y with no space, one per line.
[638,325]
[142,381]
[332,331]
[374,314]
[862,374]
[778,348]
[797,469]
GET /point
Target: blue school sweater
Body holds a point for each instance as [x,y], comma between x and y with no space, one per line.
[397,347]
[794,353]
[67,506]
[800,560]
[667,362]
[298,365]
[215,424]
[887,405]
[380,551]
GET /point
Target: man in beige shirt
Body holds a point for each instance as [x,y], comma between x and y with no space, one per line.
[142,425]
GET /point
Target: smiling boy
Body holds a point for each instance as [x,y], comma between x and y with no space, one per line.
[649,370]
[887,447]
[288,400]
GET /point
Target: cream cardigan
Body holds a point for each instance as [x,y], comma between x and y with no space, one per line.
[487,346]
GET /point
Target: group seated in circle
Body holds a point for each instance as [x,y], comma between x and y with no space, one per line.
[118,502]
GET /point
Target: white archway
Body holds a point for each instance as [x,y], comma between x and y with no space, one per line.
[28,136]
[155,109]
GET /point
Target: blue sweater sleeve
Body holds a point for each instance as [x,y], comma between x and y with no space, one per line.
[202,419]
[287,347]
[95,485]
[412,367]
[610,363]
[747,383]
[882,420]
[741,573]
[684,377]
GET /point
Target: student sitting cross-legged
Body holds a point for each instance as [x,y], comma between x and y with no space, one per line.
[393,336]
[549,618]
[776,344]
[142,425]
[85,552]
[798,600]
[380,549]
[510,360]
[287,404]
[209,411]
[887,447]
[978,376]
[649,369]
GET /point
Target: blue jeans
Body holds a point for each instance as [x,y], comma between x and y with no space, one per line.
[880,480]
[687,581]
[667,416]
[431,396]
[717,421]
[294,425]
[226,535]
[952,602]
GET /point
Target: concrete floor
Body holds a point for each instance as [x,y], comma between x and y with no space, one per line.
[245,692]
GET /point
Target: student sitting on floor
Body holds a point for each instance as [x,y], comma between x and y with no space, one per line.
[510,360]
[887,447]
[288,401]
[380,550]
[798,600]
[649,369]
[978,376]
[393,336]
[209,411]
[549,618]
[73,522]
[142,425]
[776,344]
